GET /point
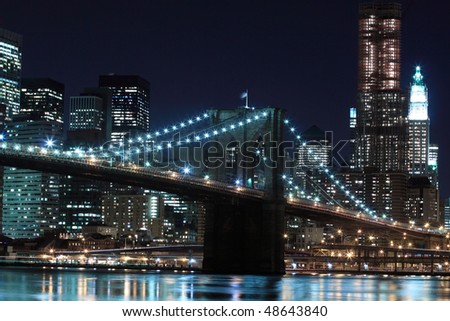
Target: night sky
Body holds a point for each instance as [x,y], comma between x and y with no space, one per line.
[298,55]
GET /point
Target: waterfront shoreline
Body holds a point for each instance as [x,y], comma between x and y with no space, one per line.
[98,267]
[368,272]
[143,269]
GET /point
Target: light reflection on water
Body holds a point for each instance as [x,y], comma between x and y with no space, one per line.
[37,284]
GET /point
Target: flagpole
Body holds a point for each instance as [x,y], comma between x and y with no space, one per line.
[245,95]
[246,99]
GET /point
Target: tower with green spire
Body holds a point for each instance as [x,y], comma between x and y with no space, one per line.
[418,127]
[423,190]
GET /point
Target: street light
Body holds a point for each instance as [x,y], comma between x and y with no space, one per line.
[340,234]
[286,238]
[129,237]
[358,238]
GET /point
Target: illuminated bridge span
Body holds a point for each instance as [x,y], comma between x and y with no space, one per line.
[326,213]
[181,183]
[245,219]
[165,180]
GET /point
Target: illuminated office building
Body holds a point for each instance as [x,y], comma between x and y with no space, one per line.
[31,198]
[10,70]
[380,128]
[423,201]
[2,134]
[89,126]
[352,125]
[130,105]
[80,203]
[418,127]
[447,213]
[315,150]
[433,165]
[90,118]
[118,108]
[128,213]
[42,98]
[380,124]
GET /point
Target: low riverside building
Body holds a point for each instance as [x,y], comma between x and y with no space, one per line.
[91,242]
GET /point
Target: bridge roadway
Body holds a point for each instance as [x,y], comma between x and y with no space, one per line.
[187,185]
[152,178]
[329,214]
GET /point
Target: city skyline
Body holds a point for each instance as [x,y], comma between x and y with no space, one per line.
[200,55]
[167,136]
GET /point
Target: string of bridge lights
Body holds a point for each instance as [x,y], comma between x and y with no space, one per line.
[315,198]
[176,127]
[158,134]
[359,203]
[51,149]
[155,138]
[212,131]
[50,143]
[90,153]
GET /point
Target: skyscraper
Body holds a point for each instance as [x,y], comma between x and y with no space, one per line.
[380,124]
[2,135]
[130,105]
[31,198]
[433,164]
[10,70]
[447,213]
[89,125]
[418,127]
[90,118]
[423,202]
[380,129]
[42,99]
[315,150]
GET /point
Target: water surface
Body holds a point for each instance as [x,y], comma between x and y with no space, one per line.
[71,284]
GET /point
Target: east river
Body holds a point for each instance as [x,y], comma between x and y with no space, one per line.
[37,284]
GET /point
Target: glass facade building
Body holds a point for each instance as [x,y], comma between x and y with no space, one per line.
[447,213]
[315,150]
[86,112]
[10,71]
[433,165]
[90,118]
[31,198]
[89,126]
[130,105]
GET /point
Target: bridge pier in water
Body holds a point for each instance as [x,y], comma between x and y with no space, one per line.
[244,237]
